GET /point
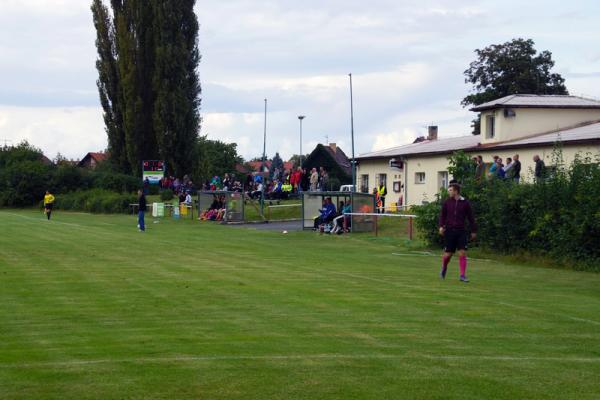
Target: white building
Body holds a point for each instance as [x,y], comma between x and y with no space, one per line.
[527,125]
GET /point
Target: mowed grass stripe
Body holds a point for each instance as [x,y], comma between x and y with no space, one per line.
[238,313]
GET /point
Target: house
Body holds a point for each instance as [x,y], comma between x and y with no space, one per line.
[334,160]
[91,160]
[527,125]
[255,166]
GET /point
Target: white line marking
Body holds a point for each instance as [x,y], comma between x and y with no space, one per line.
[283,357]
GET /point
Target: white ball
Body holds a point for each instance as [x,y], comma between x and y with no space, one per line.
[284,232]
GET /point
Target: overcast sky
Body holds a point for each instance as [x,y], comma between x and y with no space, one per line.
[407,59]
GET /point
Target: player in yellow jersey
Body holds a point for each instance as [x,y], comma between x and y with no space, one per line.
[48,204]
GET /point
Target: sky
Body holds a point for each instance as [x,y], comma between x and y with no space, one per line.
[406,58]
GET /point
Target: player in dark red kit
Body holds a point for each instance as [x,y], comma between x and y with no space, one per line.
[455,210]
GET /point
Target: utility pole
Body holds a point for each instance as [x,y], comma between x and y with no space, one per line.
[352,134]
[264,157]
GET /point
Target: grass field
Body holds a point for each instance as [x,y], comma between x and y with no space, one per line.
[92,309]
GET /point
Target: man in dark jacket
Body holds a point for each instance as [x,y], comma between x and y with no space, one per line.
[540,167]
[455,210]
[141,210]
[516,173]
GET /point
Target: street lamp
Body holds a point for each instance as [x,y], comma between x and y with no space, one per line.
[352,134]
[301,117]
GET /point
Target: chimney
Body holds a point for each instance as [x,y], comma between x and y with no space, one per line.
[432,132]
[333,147]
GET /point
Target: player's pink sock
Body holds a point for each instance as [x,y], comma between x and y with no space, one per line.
[445,261]
[462,262]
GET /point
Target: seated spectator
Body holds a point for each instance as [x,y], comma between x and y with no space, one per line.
[327,213]
[257,192]
[216,211]
[339,223]
[188,199]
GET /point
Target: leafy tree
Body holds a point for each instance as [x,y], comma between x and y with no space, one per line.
[511,68]
[215,158]
[147,80]
[277,162]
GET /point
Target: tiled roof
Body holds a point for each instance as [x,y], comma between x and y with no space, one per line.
[538,101]
[340,157]
[583,133]
[426,147]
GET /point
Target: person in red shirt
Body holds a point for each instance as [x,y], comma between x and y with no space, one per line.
[455,210]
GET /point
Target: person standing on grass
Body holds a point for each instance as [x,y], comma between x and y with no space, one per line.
[48,204]
[455,210]
[141,210]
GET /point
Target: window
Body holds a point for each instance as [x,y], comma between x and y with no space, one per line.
[419,177]
[490,129]
[382,178]
[397,187]
[364,183]
[443,179]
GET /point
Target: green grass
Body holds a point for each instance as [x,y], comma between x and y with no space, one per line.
[92,309]
[292,210]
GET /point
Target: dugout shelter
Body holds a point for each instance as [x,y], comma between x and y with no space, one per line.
[233,203]
[312,202]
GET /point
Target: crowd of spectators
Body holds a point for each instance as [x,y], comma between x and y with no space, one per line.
[509,169]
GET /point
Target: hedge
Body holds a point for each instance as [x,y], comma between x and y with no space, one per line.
[558,216]
[95,201]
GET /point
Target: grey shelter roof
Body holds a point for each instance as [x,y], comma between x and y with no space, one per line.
[588,133]
[538,101]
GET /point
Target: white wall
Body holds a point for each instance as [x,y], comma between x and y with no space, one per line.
[531,121]
[417,193]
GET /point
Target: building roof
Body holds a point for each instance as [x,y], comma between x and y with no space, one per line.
[440,146]
[97,157]
[538,101]
[340,157]
[582,133]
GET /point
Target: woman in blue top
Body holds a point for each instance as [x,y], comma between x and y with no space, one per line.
[338,222]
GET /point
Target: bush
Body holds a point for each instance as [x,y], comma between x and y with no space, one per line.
[95,201]
[166,195]
[558,216]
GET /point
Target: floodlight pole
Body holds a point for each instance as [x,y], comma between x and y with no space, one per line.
[352,134]
[264,157]
[301,117]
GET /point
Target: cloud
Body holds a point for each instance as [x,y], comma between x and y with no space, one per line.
[407,61]
[71,131]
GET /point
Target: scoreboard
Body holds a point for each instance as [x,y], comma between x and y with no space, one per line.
[154,170]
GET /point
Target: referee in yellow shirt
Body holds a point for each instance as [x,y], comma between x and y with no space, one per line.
[48,204]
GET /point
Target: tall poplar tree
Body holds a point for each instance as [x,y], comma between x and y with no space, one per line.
[147,80]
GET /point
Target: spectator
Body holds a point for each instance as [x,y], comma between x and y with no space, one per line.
[314,180]
[340,222]
[382,191]
[327,213]
[499,168]
[516,168]
[540,168]
[296,180]
[226,182]
[324,180]
[508,171]
[494,166]
[479,169]
[258,191]
[188,199]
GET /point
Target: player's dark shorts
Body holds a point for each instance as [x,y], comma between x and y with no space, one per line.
[455,239]
[48,206]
